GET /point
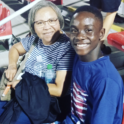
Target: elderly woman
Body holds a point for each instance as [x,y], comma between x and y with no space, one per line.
[53,47]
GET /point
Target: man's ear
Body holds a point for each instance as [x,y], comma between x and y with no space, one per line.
[102,33]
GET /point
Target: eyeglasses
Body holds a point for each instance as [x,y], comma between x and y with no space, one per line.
[42,23]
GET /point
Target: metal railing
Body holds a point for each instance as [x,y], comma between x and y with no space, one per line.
[17,13]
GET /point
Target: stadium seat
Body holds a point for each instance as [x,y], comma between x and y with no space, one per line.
[123,114]
[116,40]
[5,29]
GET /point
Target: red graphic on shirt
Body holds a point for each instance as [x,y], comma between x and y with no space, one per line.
[78,102]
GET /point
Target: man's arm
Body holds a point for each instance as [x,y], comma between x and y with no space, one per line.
[107,97]
[108,21]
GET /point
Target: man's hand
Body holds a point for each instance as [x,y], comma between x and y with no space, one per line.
[13,84]
[10,72]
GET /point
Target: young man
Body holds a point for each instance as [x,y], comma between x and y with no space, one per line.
[111,8]
[97,88]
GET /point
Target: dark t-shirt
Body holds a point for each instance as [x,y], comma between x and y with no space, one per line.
[106,5]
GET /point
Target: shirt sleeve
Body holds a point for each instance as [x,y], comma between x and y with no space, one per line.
[27,42]
[107,95]
[66,61]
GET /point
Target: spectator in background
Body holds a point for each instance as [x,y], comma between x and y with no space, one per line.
[111,8]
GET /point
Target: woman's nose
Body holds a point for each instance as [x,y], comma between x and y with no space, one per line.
[46,25]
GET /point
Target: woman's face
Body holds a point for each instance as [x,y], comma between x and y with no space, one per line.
[46,24]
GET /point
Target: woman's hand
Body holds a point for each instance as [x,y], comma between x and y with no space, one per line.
[10,72]
[14,53]
[13,84]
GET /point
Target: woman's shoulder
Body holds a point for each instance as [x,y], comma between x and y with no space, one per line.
[27,42]
[64,40]
[65,45]
[28,39]
[65,37]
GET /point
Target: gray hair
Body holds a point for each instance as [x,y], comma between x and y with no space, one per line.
[39,6]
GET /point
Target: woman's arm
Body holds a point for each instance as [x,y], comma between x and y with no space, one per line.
[14,53]
[61,86]
[62,83]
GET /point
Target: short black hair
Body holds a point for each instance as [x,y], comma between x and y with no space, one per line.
[92,10]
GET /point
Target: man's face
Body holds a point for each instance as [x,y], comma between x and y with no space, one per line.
[85,33]
[46,31]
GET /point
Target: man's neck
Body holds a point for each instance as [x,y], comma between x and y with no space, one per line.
[91,56]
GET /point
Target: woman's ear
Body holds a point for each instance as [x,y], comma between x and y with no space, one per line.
[102,33]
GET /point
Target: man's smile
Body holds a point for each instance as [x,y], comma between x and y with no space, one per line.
[81,46]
